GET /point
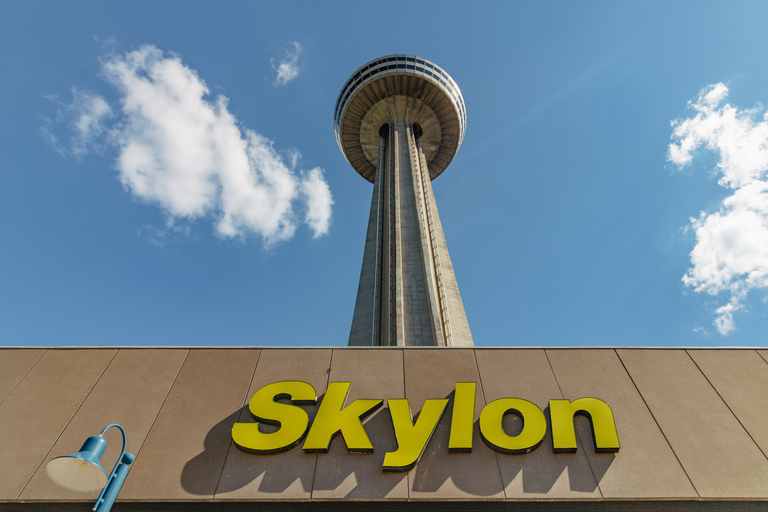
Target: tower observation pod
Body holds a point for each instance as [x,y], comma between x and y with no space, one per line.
[399,121]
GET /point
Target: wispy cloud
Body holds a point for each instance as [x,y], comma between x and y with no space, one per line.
[183,151]
[731,252]
[86,116]
[287,68]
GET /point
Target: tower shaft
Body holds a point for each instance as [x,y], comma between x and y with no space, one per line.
[408,295]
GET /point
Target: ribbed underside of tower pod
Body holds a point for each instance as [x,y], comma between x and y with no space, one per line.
[407,294]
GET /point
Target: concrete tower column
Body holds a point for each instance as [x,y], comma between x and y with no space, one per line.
[406,125]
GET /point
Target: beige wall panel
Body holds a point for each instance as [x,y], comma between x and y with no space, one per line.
[717,453]
[40,407]
[130,393]
[541,473]
[14,365]
[433,373]
[287,475]
[645,466]
[374,373]
[184,452]
[741,379]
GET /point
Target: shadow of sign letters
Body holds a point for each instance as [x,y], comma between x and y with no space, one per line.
[338,474]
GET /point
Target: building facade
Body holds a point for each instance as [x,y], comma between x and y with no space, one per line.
[692,426]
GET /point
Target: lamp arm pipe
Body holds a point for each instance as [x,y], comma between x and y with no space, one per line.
[112,475]
[112,489]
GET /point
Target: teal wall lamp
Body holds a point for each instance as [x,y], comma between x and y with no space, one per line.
[82,471]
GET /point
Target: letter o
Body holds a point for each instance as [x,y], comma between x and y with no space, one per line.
[534,425]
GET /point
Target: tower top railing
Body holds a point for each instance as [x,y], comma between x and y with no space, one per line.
[398,64]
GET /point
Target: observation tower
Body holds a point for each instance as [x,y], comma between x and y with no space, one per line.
[399,121]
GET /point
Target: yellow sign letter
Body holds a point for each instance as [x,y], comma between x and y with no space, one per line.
[332,418]
[604,433]
[292,421]
[492,432]
[463,418]
[411,438]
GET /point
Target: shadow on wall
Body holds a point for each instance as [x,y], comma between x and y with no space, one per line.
[477,473]
[201,475]
[227,472]
[542,468]
[340,474]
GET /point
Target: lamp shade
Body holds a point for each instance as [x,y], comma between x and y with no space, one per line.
[80,471]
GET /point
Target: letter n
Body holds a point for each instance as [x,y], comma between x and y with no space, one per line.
[600,416]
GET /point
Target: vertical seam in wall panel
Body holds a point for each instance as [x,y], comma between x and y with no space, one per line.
[553,374]
[562,395]
[23,376]
[726,403]
[37,468]
[245,398]
[164,400]
[657,422]
[327,381]
[485,402]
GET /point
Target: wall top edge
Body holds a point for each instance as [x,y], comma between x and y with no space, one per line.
[272,347]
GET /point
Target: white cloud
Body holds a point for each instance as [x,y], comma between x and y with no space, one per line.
[731,251]
[318,198]
[186,153]
[86,116]
[288,67]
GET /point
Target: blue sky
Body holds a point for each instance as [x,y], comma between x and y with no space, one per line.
[567,216]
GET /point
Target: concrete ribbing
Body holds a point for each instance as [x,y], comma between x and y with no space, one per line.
[407,294]
[406,258]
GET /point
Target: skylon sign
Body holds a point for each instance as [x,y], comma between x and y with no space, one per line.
[412,437]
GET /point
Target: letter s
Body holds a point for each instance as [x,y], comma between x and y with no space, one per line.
[291,421]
